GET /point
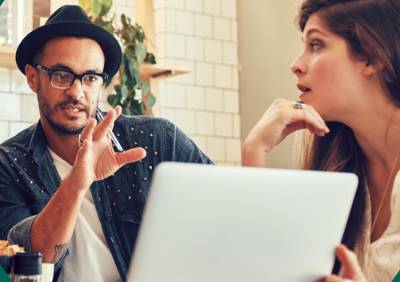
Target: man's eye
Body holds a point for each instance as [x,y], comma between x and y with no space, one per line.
[60,75]
[91,78]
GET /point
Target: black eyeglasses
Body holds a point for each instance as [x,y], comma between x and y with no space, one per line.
[63,79]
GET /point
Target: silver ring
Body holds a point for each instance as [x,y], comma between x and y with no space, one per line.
[298,105]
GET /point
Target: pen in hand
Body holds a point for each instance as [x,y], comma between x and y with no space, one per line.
[114,139]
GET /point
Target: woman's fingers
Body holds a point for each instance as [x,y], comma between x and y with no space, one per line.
[350,268]
[335,278]
[312,120]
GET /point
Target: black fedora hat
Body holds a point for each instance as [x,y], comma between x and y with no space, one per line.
[69,20]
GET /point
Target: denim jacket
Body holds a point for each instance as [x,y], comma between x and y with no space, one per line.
[28,179]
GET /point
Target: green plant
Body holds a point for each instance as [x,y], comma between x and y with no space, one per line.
[131,93]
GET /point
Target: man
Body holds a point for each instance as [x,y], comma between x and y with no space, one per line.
[64,191]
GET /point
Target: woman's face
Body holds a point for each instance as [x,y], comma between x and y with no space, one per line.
[329,77]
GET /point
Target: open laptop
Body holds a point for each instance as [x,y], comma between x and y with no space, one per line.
[232,224]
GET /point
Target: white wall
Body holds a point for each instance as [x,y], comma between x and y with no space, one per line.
[268,43]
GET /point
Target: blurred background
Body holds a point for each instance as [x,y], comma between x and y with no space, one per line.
[220,64]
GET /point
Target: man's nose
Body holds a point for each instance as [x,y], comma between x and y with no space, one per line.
[76,90]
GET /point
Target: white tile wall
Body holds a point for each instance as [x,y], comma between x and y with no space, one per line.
[10,106]
[194,5]
[175,95]
[222,28]
[212,7]
[216,148]
[185,22]
[236,126]
[194,48]
[16,127]
[223,125]
[203,26]
[195,98]
[204,74]
[214,99]
[4,80]
[4,130]
[175,45]
[213,51]
[177,4]
[186,120]
[233,150]
[205,123]
[229,8]
[230,55]
[231,101]
[201,34]
[223,76]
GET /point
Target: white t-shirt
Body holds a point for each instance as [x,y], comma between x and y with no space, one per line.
[90,258]
[380,260]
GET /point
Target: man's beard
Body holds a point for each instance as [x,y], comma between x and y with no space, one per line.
[48,113]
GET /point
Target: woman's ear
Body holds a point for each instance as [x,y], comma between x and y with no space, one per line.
[369,69]
[32,77]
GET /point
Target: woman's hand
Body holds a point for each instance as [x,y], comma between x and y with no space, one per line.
[350,270]
[281,119]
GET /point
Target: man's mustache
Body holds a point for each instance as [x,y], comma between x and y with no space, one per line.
[72,103]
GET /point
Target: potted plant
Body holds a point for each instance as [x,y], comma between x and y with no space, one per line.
[131,93]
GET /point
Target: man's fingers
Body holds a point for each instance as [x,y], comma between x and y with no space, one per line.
[87,132]
[130,156]
[105,125]
[350,268]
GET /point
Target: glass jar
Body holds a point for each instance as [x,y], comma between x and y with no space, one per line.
[27,267]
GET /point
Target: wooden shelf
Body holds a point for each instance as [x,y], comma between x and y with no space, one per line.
[148,71]
[7,60]
[7,57]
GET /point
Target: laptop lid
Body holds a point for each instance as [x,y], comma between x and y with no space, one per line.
[216,223]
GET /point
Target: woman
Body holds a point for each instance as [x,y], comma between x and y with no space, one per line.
[349,79]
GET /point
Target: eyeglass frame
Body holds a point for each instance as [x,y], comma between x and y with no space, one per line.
[50,72]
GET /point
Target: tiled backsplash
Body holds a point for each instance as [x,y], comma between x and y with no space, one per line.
[201,36]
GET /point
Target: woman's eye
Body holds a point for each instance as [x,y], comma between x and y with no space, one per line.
[315,45]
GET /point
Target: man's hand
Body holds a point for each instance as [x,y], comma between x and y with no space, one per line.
[350,270]
[96,158]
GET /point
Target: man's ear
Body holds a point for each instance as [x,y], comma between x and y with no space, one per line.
[32,77]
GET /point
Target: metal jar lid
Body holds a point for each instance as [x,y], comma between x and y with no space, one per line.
[28,263]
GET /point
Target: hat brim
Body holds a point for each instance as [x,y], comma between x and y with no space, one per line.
[37,38]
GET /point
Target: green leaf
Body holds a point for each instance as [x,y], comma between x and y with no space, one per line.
[150,58]
[150,100]
[140,52]
[105,6]
[96,8]
[124,92]
[86,5]
[113,100]
[145,87]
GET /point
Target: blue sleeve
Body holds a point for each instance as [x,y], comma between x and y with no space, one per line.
[182,148]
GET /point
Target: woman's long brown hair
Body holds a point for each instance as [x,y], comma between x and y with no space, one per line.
[371,29]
